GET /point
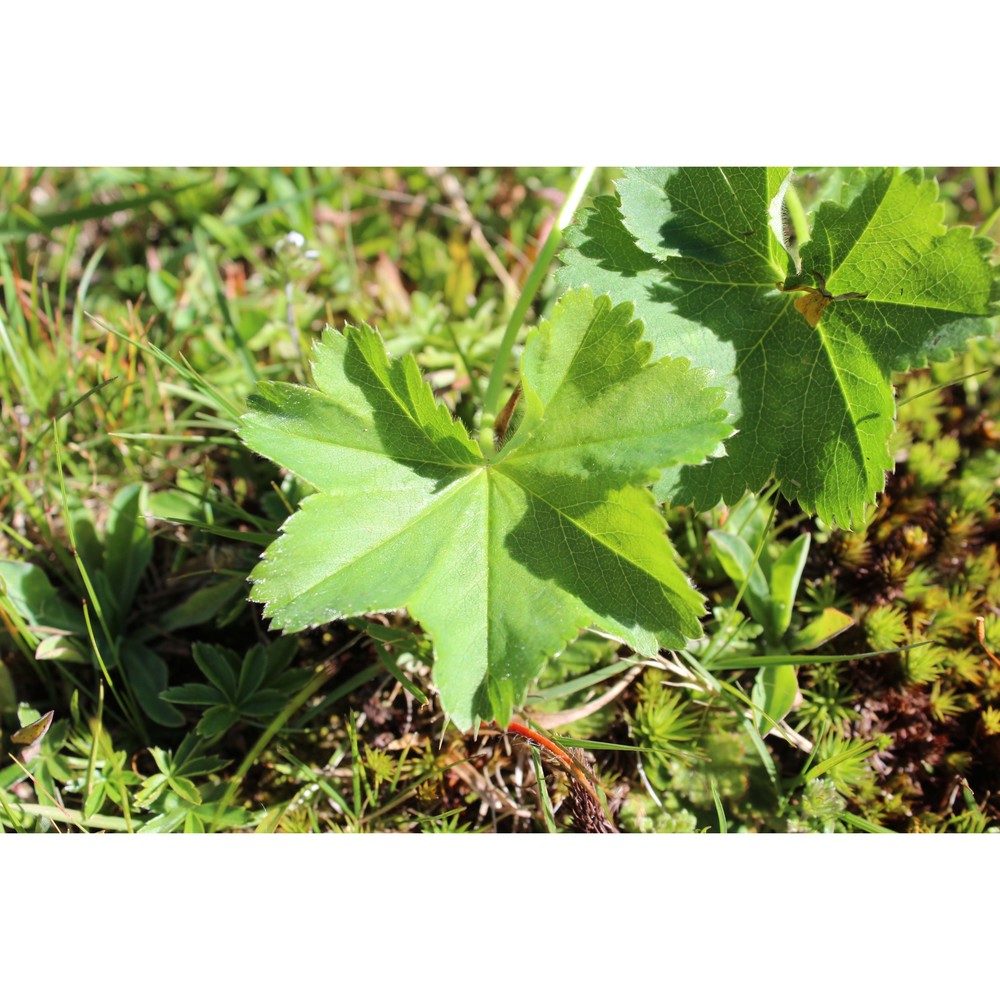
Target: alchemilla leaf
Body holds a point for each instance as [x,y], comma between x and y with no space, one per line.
[806,354]
[501,560]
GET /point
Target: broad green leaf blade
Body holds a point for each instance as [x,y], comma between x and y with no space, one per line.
[204,604]
[193,694]
[737,560]
[147,674]
[216,666]
[266,701]
[185,788]
[501,562]
[128,545]
[615,557]
[786,573]
[280,655]
[603,254]
[67,648]
[588,386]
[35,599]
[722,217]
[252,673]
[774,692]
[808,374]
[443,557]
[217,720]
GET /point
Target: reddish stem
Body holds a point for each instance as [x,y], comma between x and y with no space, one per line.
[522,730]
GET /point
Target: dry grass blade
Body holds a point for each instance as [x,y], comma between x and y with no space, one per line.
[551,720]
[453,191]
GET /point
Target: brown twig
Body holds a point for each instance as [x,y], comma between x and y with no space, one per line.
[981,636]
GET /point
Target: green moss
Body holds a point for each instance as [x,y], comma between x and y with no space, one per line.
[886,627]
[640,814]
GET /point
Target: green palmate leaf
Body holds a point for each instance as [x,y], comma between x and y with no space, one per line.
[501,560]
[883,287]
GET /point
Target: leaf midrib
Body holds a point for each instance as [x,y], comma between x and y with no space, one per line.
[378,448]
[385,540]
[600,540]
[414,422]
[853,244]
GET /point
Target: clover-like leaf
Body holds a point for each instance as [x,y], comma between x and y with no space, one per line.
[806,355]
[502,560]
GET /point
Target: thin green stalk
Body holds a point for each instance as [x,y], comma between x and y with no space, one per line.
[46,223]
[115,824]
[82,569]
[450,331]
[68,408]
[385,658]
[543,790]
[41,523]
[203,391]
[126,698]
[360,678]
[352,734]
[854,753]
[943,385]
[95,735]
[398,773]
[352,261]
[860,823]
[64,271]
[720,812]
[753,662]
[990,222]
[10,351]
[36,321]
[11,818]
[80,301]
[531,286]
[305,773]
[984,195]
